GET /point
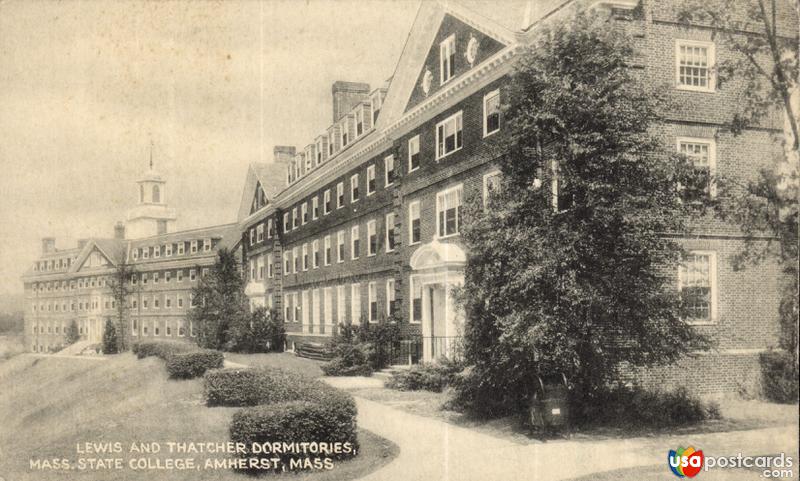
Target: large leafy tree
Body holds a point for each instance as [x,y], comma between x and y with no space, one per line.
[220,303]
[121,290]
[583,282]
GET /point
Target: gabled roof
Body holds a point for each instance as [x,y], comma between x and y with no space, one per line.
[224,232]
[271,176]
[113,249]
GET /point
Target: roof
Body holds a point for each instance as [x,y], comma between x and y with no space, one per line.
[224,231]
[515,15]
[271,176]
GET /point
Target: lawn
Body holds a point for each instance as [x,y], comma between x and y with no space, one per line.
[49,405]
[283,360]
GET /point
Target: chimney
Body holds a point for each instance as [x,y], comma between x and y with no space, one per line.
[82,243]
[48,245]
[119,231]
[346,95]
[284,154]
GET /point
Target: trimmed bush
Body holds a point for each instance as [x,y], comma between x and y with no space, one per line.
[328,420]
[162,349]
[189,365]
[338,367]
[425,377]
[779,377]
[250,387]
[349,360]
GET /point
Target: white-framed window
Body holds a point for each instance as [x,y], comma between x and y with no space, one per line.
[491,183]
[372,238]
[270,262]
[179,275]
[354,242]
[304,212]
[326,256]
[448,211]
[260,268]
[270,228]
[295,259]
[315,254]
[285,222]
[697,284]
[390,298]
[252,237]
[340,195]
[194,247]
[703,154]
[207,242]
[359,120]
[331,144]
[295,220]
[447,58]
[305,257]
[491,112]
[179,301]
[146,253]
[167,302]
[155,277]
[414,222]
[413,153]
[344,129]
[260,233]
[388,164]
[340,304]
[136,254]
[167,276]
[326,202]
[168,250]
[355,303]
[192,274]
[371,179]
[181,248]
[340,246]
[372,293]
[287,262]
[694,65]
[315,208]
[449,135]
[354,188]
[157,252]
[390,232]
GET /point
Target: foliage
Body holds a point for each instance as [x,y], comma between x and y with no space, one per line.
[162,349]
[250,387]
[263,331]
[360,349]
[189,365]
[433,377]
[584,282]
[632,407]
[121,290]
[12,322]
[73,334]
[779,376]
[339,366]
[110,338]
[328,420]
[220,303]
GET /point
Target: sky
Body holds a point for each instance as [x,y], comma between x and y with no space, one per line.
[85,86]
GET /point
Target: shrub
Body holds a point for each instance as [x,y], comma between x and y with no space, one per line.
[189,365]
[261,331]
[779,376]
[328,420]
[337,367]
[250,387]
[73,334]
[426,377]
[348,360]
[110,338]
[162,349]
[637,407]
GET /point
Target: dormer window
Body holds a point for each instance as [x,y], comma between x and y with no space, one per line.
[330,144]
[359,121]
[194,247]
[319,151]
[447,58]
[344,133]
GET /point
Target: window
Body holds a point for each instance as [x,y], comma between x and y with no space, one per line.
[326,201]
[355,303]
[145,277]
[192,274]
[491,112]
[370,180]
[295,220]
[389,232]
[340,246]
[694,65]
[413,153]
[156,302]
[167,276]
[447,58]
[388,164]
[146,253]
[390,298]
[414,231]
[340,195]
[354,242]
[260,233]
[207,242]
[372,292]
[180,302]
[416,300]
[359,120]
[319,150]
[305,257]
[296,259]
[285,222]
[155,277]
[340,303]
[702,153]
[372,238]
[315,208]
[327,253]
[181,248]
[287,262]
[179,275]
[697,286]
[491,184]
[168,302]
[344,131]
[260,268]
[315,253]
[448,135]
[331,146]
[168,250]
[157,252]
[354,188]
[448,208]
[304,212]
[194,247]
[270,228]
[270,262]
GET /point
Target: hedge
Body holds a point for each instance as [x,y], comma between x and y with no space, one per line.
[161,349]
[339,367]
[189,365]
[331,420]
[425,377]
[779,376]
[250,387]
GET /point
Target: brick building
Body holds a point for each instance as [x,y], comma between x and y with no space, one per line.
[74,284]
[363,223]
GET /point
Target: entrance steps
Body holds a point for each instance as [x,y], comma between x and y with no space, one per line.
[76,348]
[313,350]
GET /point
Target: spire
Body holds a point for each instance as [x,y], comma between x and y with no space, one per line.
[151,154]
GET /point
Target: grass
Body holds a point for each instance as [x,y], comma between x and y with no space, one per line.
[10,346]
[283,360]
[48,405]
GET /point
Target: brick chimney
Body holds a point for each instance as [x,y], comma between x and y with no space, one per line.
[119,231]
[284,154]
[346,95]
[48,245]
